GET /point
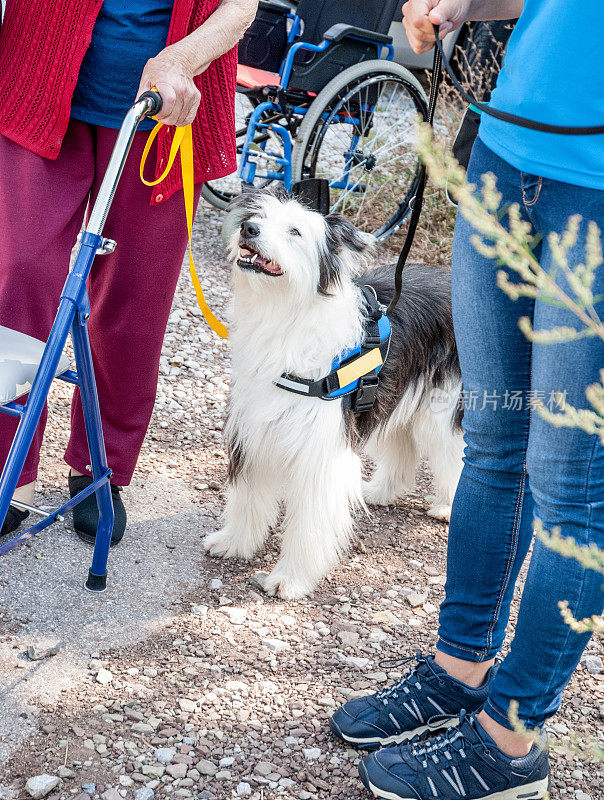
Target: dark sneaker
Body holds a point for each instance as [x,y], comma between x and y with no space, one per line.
[14,517]
[86,513]
[464,762]
[426,699]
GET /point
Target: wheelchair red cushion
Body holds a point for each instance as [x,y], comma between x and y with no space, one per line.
[252,78]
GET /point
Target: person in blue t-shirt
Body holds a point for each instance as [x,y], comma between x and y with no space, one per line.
[518,466]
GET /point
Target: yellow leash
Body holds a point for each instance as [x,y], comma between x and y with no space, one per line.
[183,142]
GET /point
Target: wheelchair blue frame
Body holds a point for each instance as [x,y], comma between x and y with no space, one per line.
[72,317]
[247,167]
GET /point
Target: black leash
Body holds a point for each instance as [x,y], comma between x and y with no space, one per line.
[416,202]
[418,199]
[523,122]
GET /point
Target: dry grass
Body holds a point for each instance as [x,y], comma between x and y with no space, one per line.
[434,237]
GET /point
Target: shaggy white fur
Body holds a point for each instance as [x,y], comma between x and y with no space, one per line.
[294,454]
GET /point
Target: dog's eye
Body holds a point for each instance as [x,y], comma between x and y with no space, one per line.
[294,232]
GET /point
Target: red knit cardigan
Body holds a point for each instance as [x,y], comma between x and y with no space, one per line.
[42,44]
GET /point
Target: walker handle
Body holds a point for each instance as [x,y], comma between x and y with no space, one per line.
[148,105]
[155,99]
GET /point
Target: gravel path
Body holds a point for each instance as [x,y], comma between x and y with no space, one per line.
[183,680]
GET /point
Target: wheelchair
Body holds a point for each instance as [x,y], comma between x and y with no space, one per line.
[318,96]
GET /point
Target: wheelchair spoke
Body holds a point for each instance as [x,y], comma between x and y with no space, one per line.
[364,145]
[339,205]
[263,148]
[358,132]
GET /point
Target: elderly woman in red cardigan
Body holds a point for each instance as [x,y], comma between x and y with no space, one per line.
[68,73]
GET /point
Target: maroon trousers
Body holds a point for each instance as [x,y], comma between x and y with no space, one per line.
[42,206]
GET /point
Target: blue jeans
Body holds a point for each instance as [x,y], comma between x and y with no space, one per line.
[517,466]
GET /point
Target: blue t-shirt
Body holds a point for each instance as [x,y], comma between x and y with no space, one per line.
[126,35]
[553,72]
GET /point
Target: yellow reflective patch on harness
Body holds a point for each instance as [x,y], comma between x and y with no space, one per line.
[359,367]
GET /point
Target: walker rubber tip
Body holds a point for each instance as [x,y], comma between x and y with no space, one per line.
[96,583]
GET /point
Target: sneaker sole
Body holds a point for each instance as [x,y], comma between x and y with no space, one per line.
[373,743]
[530,791]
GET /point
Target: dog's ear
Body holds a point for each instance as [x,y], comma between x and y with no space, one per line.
[342,234]
[346,249]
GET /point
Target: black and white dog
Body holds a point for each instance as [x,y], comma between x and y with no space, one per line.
[298,304]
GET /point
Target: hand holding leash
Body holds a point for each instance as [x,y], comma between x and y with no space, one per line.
[171,74]
[420,16]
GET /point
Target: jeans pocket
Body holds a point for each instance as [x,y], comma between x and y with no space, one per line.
[531,188]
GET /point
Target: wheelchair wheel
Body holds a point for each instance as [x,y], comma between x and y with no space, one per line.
[359,134]
[220,192]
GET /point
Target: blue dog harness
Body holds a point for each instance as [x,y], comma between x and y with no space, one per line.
[355,371]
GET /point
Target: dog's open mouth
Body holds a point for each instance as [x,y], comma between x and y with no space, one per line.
[251,259]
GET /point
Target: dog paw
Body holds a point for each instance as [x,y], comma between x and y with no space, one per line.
[441,513]
[223,544]
[376,494]
[279,584]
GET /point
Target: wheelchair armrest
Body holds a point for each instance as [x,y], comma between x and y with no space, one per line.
[331,37]
[342,31]
[278,6]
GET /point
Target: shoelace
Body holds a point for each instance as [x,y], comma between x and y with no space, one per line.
[445,744]
[410,679]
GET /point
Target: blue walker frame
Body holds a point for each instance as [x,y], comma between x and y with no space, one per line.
[72,317]
[248,165]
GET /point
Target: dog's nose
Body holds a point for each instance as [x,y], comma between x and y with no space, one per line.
[249,229]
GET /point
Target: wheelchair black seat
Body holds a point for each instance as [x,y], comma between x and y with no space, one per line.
[319,15]
[266,42]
